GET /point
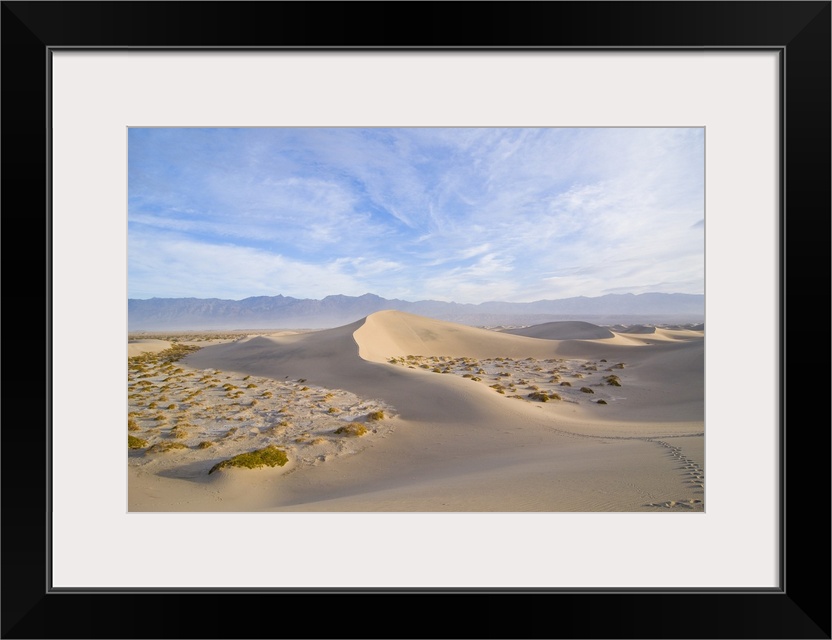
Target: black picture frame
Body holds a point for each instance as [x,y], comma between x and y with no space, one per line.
[799,608]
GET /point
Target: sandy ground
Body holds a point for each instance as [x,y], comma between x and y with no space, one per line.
[455,419]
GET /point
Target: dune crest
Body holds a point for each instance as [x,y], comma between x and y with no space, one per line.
[563,330]
[387,334]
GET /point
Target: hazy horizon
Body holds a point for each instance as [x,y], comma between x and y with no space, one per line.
[447,214]
[369,293]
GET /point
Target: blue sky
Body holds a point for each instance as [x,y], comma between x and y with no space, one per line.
[458,214]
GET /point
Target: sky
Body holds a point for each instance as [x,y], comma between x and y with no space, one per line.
[463,215]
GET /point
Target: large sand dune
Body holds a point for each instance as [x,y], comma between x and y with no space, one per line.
[563,330]
[462,432]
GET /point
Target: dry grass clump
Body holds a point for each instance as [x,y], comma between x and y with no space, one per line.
[205,444]
[135,443]
[613,381]
[586,390]
[164,447]
[352,429]
[375,415]
[132,425]
[542,396]
[270,456]
[566,383]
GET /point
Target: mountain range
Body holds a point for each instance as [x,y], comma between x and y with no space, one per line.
[282,312]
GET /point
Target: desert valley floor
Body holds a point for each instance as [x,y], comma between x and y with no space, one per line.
[401,413]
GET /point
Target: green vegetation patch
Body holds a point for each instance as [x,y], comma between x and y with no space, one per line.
[270,456]
[352,429]
[164,447]
[135,443]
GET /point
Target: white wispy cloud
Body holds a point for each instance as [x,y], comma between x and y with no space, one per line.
[456,214]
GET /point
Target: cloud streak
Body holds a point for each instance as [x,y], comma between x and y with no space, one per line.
[463,215]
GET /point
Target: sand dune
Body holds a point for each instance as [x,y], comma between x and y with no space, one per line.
[462,430]
[135,347]
[565,330]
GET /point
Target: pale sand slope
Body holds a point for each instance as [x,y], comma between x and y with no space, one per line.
[135,347]
[563,330]
[457,444]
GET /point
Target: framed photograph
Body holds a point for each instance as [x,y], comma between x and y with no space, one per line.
[93,90]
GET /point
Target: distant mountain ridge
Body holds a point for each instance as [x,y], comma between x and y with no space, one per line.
[273,312]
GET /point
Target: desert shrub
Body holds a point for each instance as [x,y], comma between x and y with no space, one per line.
[376,415]
[132,425]
[171,406]
[304,388]
[253,403]
[603,360]
[612,380]
[152,405]
[164,447]
[178,433]
[586,390]
[620,365]
[468,375]
[319,441]
[601,402]
[566,383]
[577,375]
[246,378]
[266,394]
[270,456]
[251,386]
[352,429]
[542,396]
[230,432]
[135,443]
[476,379]
[205,444]
[333,410]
